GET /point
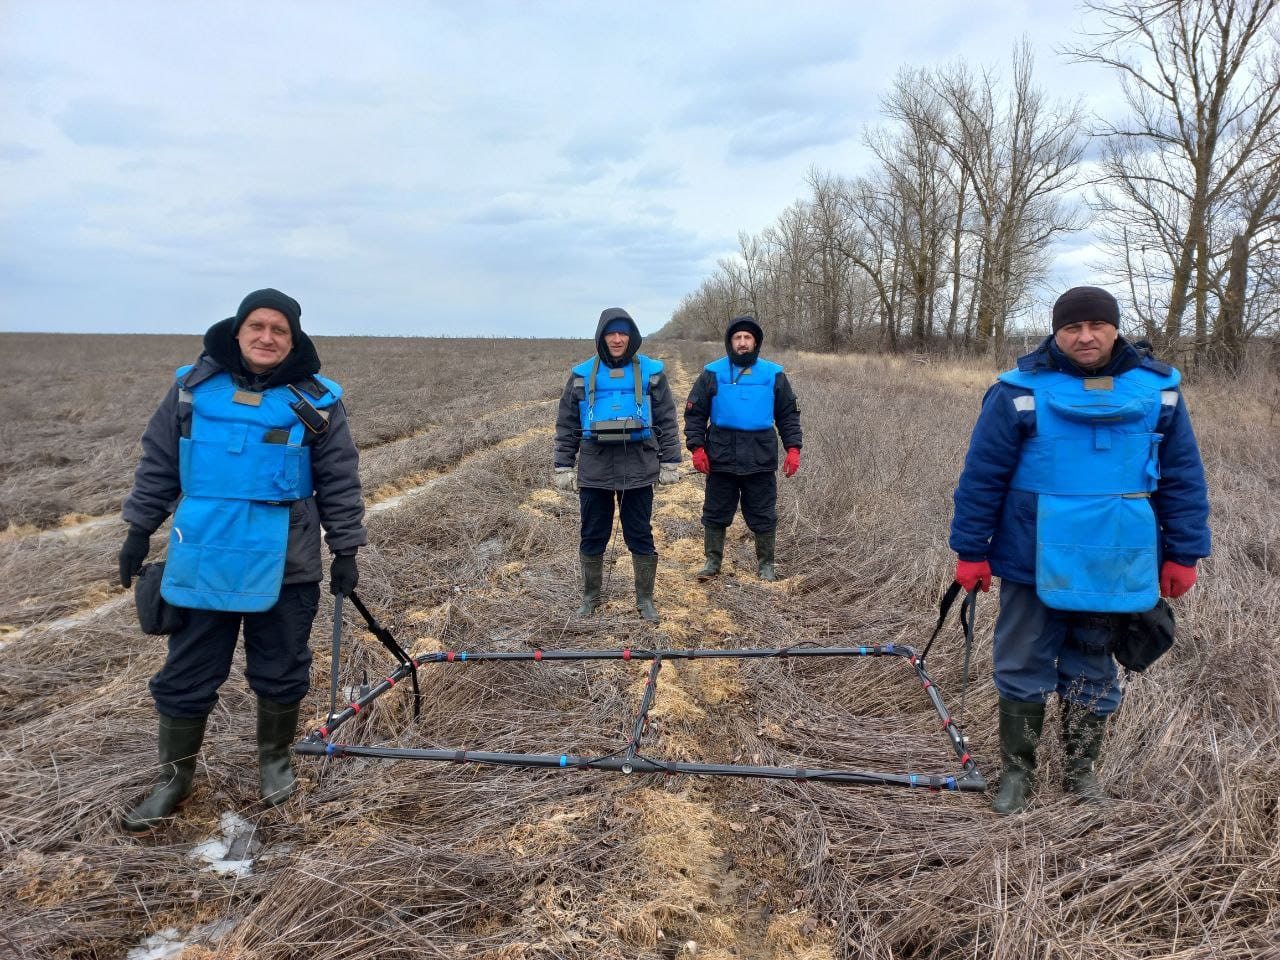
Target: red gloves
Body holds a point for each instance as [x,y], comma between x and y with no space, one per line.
[973,575]
[792,463]
[1175,579]
[700,461]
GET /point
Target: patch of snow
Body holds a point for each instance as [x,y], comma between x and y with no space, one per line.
[234,851]
[159,946]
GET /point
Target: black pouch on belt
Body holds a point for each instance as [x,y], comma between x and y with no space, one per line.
[1140,639]
[156,615]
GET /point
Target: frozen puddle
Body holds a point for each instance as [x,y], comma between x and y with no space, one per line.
[234,851]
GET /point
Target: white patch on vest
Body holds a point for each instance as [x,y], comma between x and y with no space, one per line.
[1024,404]
[1169,398]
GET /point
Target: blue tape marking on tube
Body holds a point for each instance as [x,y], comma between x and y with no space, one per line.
[564,760]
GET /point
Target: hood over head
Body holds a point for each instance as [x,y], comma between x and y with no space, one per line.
[608,317]
[750,326]
[222,347]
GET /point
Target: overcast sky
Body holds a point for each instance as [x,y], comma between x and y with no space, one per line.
[461,168]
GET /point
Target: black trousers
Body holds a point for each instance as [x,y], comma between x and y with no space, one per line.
[636,506]
[759,495]
[276,648]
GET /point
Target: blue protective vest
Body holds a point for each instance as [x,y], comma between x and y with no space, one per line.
[242,465]
[744,395]
[615,393]
[1093,464]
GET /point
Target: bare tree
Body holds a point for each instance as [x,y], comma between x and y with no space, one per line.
[1018,157]
[919,172]
[1201,80]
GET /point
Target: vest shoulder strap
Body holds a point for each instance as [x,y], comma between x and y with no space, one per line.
[321,391]
[1040,379]
[1029,379]
[1160,376]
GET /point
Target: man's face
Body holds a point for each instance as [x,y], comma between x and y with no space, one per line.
[265,339]
[616,343]
[742,342]
[1088,344]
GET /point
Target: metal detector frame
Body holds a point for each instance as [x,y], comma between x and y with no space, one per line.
[628,759]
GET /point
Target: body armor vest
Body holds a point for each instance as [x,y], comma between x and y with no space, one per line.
[744,395]
[615,406]
[1093,463]
[241,466]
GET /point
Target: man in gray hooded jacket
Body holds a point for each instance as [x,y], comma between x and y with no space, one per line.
[617,421]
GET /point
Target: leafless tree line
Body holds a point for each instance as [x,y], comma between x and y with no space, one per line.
[947,239]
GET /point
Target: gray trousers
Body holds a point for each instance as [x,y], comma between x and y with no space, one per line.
[1039,651]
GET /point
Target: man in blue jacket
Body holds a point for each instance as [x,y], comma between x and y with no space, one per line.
[252,448]
[617,421]
[1083,490]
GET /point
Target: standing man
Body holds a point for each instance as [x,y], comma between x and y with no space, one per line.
[748,403]
[617,420]
[1083,490]
[253,447]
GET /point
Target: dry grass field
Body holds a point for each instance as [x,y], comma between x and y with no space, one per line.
[472,549]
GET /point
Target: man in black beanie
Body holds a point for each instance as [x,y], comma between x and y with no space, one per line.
[252,446]
[1083,490]
[739,407]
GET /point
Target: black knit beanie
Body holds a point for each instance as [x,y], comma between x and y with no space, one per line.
[272,299]
[1080,304]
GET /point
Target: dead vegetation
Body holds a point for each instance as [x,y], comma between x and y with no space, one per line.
[409,859]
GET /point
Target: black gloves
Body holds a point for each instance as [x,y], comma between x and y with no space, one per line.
[343,575]
[136,547]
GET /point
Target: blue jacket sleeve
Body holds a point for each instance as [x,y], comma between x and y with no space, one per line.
[988,467]
[1181,499]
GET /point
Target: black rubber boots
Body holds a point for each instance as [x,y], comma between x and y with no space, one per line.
[713,547]
[1020,727]
[764,555]
[1082,733]
[592,576]
[277,726]
[646,567]
[179,742]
